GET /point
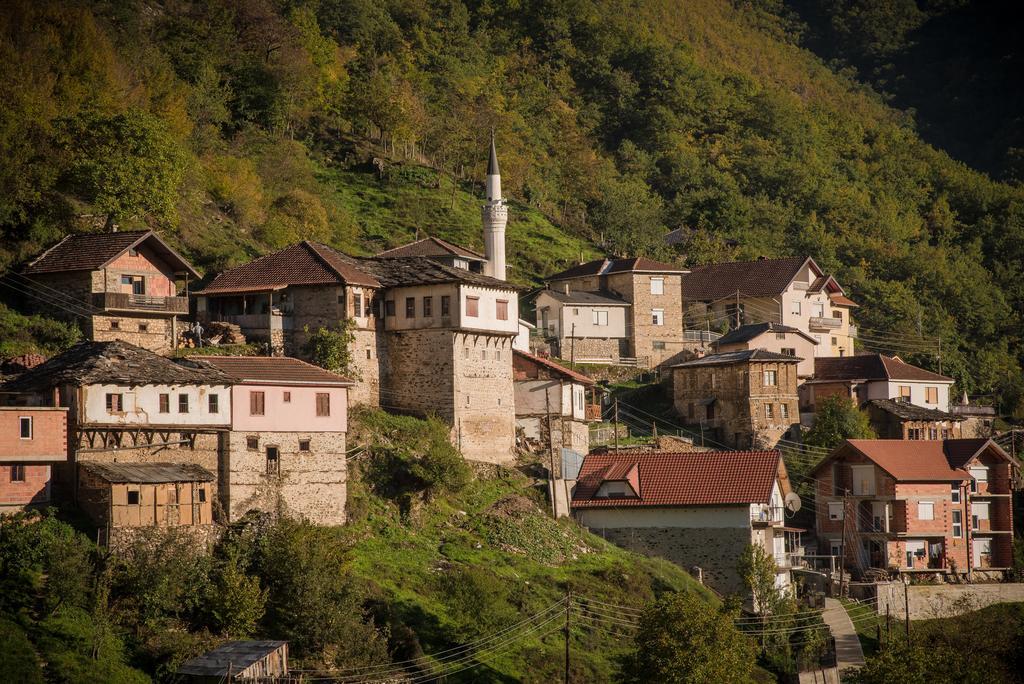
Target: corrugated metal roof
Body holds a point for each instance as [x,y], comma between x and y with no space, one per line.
[237,655]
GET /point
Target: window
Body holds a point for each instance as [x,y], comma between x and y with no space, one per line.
[286,397]
[954,492]
[905,393]
[17,473]
[115,325]
[133,252]
[771,378]
[789,351]
[925,510]
[980,474]
[273,461]
[689,411]
[133,497]
[501,309]
[818,310]
[368,306]
[600,316]
[323,404]
[257,405]
[657,286]
[658,345]
[836,313]
[410,307]
[483,354]
[143,327]
[780,335]
[958,523]
[473,306]
[182,403]
[214,403]
[913,433]
[497,357]
[769,412]
[933,433]
[835,341]
[794,307]
[303,445]
[202,495]
[945,433]
[979,509]
[835,510]
[25,427]
[446,305]
[658,316]
[252,443]
[357,303]
[428,307]
[389,307]
[863,479]
[784,411]
[931,395]
[115,403]
[710,412]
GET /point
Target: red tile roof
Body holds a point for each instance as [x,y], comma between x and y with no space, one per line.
[842,300]
[274,370]
[521,357]
[608,266]
[916,460]
[431,246]
[90,251]
[761,278]
[711,478]
[871,367]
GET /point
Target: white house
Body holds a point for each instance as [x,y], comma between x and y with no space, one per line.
[875,376]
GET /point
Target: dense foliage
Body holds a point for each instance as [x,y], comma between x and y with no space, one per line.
[241,126]
[837,420]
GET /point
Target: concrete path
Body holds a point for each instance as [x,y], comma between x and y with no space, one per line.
[848,651]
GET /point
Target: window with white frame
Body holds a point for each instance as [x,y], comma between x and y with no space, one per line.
[979,473]
[658,316]
[979,509]
[657,286]
[769,412]
[784,411]
[958,524]
[925,510]
[771,378]
[818,310]
[600,316]
[954,492]
[835,510]
[794,307]
[25,427]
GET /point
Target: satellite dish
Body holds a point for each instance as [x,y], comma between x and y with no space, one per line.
[793,502]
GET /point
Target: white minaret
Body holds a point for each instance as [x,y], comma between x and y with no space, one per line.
[495,215]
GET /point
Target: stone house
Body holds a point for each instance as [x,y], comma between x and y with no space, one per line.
[653,325]
[794,292]
[116,286]
[32,439]
[124,498]
[894,419]
[940,507]
[874,376]
[554,408]
[441,251]
[698,510]
[773,337]
[748,398]
[285,450]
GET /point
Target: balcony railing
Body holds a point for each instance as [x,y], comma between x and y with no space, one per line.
[767,514]
[124,301]
[593,411]
[825,322]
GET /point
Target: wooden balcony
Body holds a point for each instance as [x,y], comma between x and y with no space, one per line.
[825,323]
[593,411]
[123,301]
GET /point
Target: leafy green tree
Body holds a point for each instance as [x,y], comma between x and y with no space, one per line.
[683,639]
[756,568]
[235,599]
[127,165]
[331,348]
[838,419]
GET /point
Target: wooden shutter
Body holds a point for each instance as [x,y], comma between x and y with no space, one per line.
[256,406]
[323,404]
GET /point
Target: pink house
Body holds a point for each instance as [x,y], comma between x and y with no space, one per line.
[31,440]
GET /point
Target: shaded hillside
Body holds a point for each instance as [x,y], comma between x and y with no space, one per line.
[243,126]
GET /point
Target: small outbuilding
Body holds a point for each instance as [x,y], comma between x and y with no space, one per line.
[238,661]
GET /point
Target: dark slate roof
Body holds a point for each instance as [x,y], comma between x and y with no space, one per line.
[148,473]
[409,271]
[871,367]
[740,356]
[609,266]
[587,298]
[761,278]
[709,478]
[907,411]
[114,363]
[271,370]
[960,452]
[432,247]
[745,333]
[90,251]
[238,655]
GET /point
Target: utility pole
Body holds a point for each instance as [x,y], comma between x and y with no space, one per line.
[940,356]
[906,607]
[842,545]
[568,614]
[572,347]
[737,308]
[616,425]
[551,452]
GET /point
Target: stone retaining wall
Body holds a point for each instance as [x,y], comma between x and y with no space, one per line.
[944,600]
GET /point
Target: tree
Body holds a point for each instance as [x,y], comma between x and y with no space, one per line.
[757,570]
[331,348]
[235,600]
[838,419]
[683,639]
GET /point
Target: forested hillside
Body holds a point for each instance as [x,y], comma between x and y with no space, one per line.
[239,126]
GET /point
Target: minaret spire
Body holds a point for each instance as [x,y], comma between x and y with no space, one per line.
[495,216]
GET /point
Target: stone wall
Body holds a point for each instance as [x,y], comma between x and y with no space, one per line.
[319,306]
[591,348]
[204,454]
[149,332]
[945,600]
[417,371]
[367,350]
[311,485]
[484,415]
[657,343]
[716,551]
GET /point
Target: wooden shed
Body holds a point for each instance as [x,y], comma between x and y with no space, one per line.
[119,495]
[238,661]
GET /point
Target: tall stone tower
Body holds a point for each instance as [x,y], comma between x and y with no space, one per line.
[495,216]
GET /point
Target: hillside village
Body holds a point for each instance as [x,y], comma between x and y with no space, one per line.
[155,421]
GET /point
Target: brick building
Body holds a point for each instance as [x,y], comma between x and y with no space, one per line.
[622,308]
[116,286]
[32,440]
[747,398]
[285,450]
[939,506]
[698,510]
